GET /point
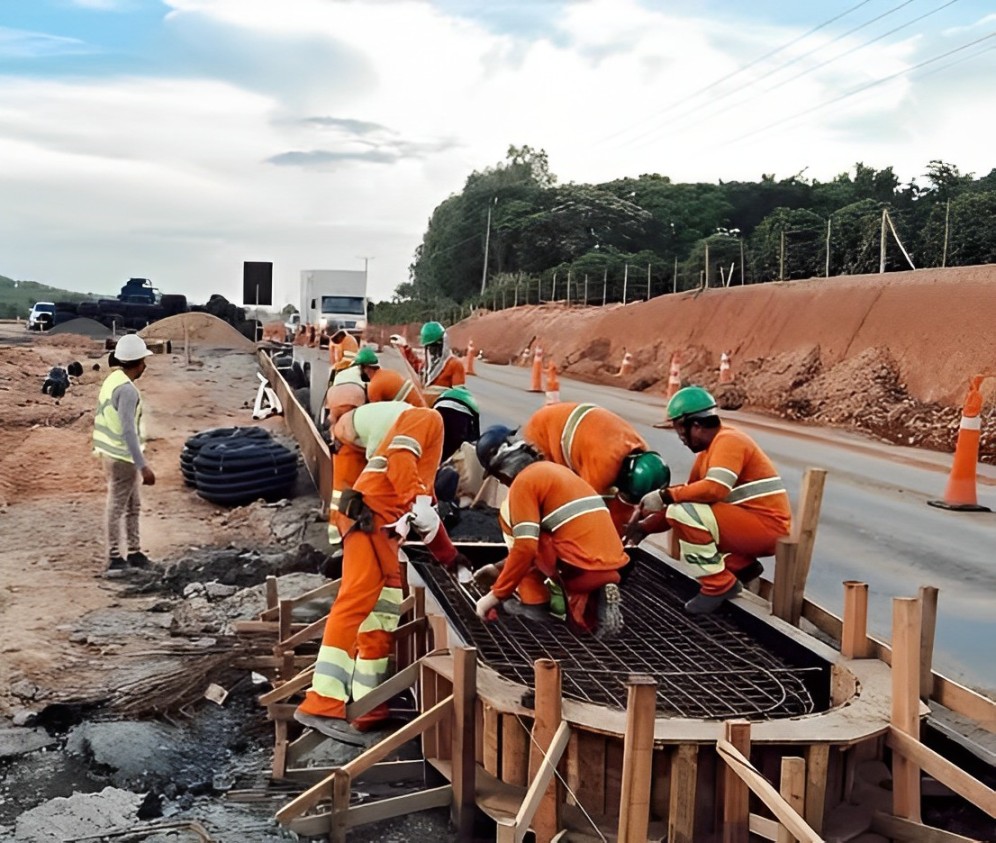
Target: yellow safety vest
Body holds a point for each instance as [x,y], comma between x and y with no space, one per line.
[108,434]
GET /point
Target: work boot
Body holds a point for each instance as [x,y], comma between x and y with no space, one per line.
[706,604]
[137,559]
[750,573]
[526,611]
[377,718]
[610,617]
[117,567]
[333,727]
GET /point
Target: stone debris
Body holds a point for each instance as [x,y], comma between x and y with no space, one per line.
[67,818]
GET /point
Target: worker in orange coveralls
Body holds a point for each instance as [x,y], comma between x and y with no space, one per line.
[561,532]
[342,349]
[733,508]
[391,494]
[385,384]
[603,449]
[439,368]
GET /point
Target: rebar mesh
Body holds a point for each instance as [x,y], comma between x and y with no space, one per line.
[706,667]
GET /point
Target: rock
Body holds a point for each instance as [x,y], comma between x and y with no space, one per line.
[24,717]
[217,591]
[19,741]
[79,815]
[24,689]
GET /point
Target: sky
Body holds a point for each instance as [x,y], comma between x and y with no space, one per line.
[175,139]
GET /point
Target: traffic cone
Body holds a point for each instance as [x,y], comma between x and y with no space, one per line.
[627,365]
[469,359]
[674,376]
[537,384]
[960,493]
[725,370]
[552,384]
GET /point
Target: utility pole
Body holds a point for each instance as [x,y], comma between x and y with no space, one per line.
[881,247]
[781,258]
[605,285]
[625,280]
[487,242]
[947,218]
[741,239]
[568,288]
[675,290]
[827,273]
[706,283]
[586,289]
[648,282]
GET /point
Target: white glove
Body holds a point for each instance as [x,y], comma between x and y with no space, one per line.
[486,577]
[425,519]
[464,575]
[397,339]
[655,501]
[488,603]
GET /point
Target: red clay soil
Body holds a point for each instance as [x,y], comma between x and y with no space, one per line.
[888,355]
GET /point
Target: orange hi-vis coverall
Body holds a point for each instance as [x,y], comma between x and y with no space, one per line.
[356,645]
[371,423]
[342,354]
[592,442]
[452,374]
[733,509]
[560,529]
[388,385]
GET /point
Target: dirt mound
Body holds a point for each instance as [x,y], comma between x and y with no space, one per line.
[82,326]
[890,355]
[202,329]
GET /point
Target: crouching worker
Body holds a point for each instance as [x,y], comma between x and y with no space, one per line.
[561,531]
[733,508]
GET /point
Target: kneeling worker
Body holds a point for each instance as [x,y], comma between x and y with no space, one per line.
[733,508]
[561,530]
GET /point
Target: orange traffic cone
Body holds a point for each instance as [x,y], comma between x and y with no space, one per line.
[537,384]
[960,493]
[725,370]
[469,359]
[552,384]
[627,365]
[674,376]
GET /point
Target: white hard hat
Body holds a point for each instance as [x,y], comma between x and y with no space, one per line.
[131,347]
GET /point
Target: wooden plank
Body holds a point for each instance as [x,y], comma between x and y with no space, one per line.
[271,592]
[279,748]
[313,795]
[398,806]
[386,772]
[546,819]
[492,722]
[764,791]
[463,804]
[428,697]
[638,758]
[591,771]
[444,748]
[792,788]
[817,765]
[305,633]
[783,592]
[907,831]
[804,533]
[763,827]
[537,794]
[681,810]
[947,773]
[261,627]
[288,688]
[854,633]
[928,624]
[736,794]
[341,787]
[390,687]
[906,702]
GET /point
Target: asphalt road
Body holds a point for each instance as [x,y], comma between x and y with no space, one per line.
[875,525]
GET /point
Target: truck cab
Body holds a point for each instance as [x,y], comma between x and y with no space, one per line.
[335,298]
[140,291]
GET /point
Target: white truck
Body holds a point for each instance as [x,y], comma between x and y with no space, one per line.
[335,298]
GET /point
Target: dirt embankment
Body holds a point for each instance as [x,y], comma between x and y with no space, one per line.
[888,355]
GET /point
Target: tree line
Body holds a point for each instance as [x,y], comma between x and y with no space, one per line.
[515,235]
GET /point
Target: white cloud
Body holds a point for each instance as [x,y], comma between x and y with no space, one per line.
[19,43]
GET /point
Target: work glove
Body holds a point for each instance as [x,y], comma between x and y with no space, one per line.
[352,506]
[656,501]
[424,517]
[487,607]
[639,528]
[487,576]
[397,339]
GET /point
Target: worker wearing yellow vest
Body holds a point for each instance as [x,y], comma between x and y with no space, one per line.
[118,438]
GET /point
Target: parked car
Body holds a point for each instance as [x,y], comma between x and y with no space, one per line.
[42,316]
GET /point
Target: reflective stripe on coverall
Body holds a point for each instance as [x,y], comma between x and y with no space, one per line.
[356,644]
[560,529]
[733,509]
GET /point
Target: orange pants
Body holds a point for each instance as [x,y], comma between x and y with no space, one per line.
[359,632]
[743,535]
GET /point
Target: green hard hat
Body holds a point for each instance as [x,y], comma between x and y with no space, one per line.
[366,356]
[461,395]
[691,402]
[431,332]
[641,473]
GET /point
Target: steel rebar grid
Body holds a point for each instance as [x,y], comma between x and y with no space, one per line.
[706,667]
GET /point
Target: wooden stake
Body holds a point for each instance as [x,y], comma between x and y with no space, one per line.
[782,594]
[928,623]
[464,803]
[341,786]
[854,635]
[804,532]
[514,751]
[793,791]
[906,703]
[681,812]
[736,794]
[817,765]
[546,823]
[638,757]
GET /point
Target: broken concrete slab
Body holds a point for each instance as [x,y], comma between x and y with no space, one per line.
[78,815]
[20,741]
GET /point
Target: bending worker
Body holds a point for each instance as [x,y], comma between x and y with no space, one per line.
[385,384]
[601,448]
[439,368]
[733,508]
[342,349]
[561,530]
[388,496]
